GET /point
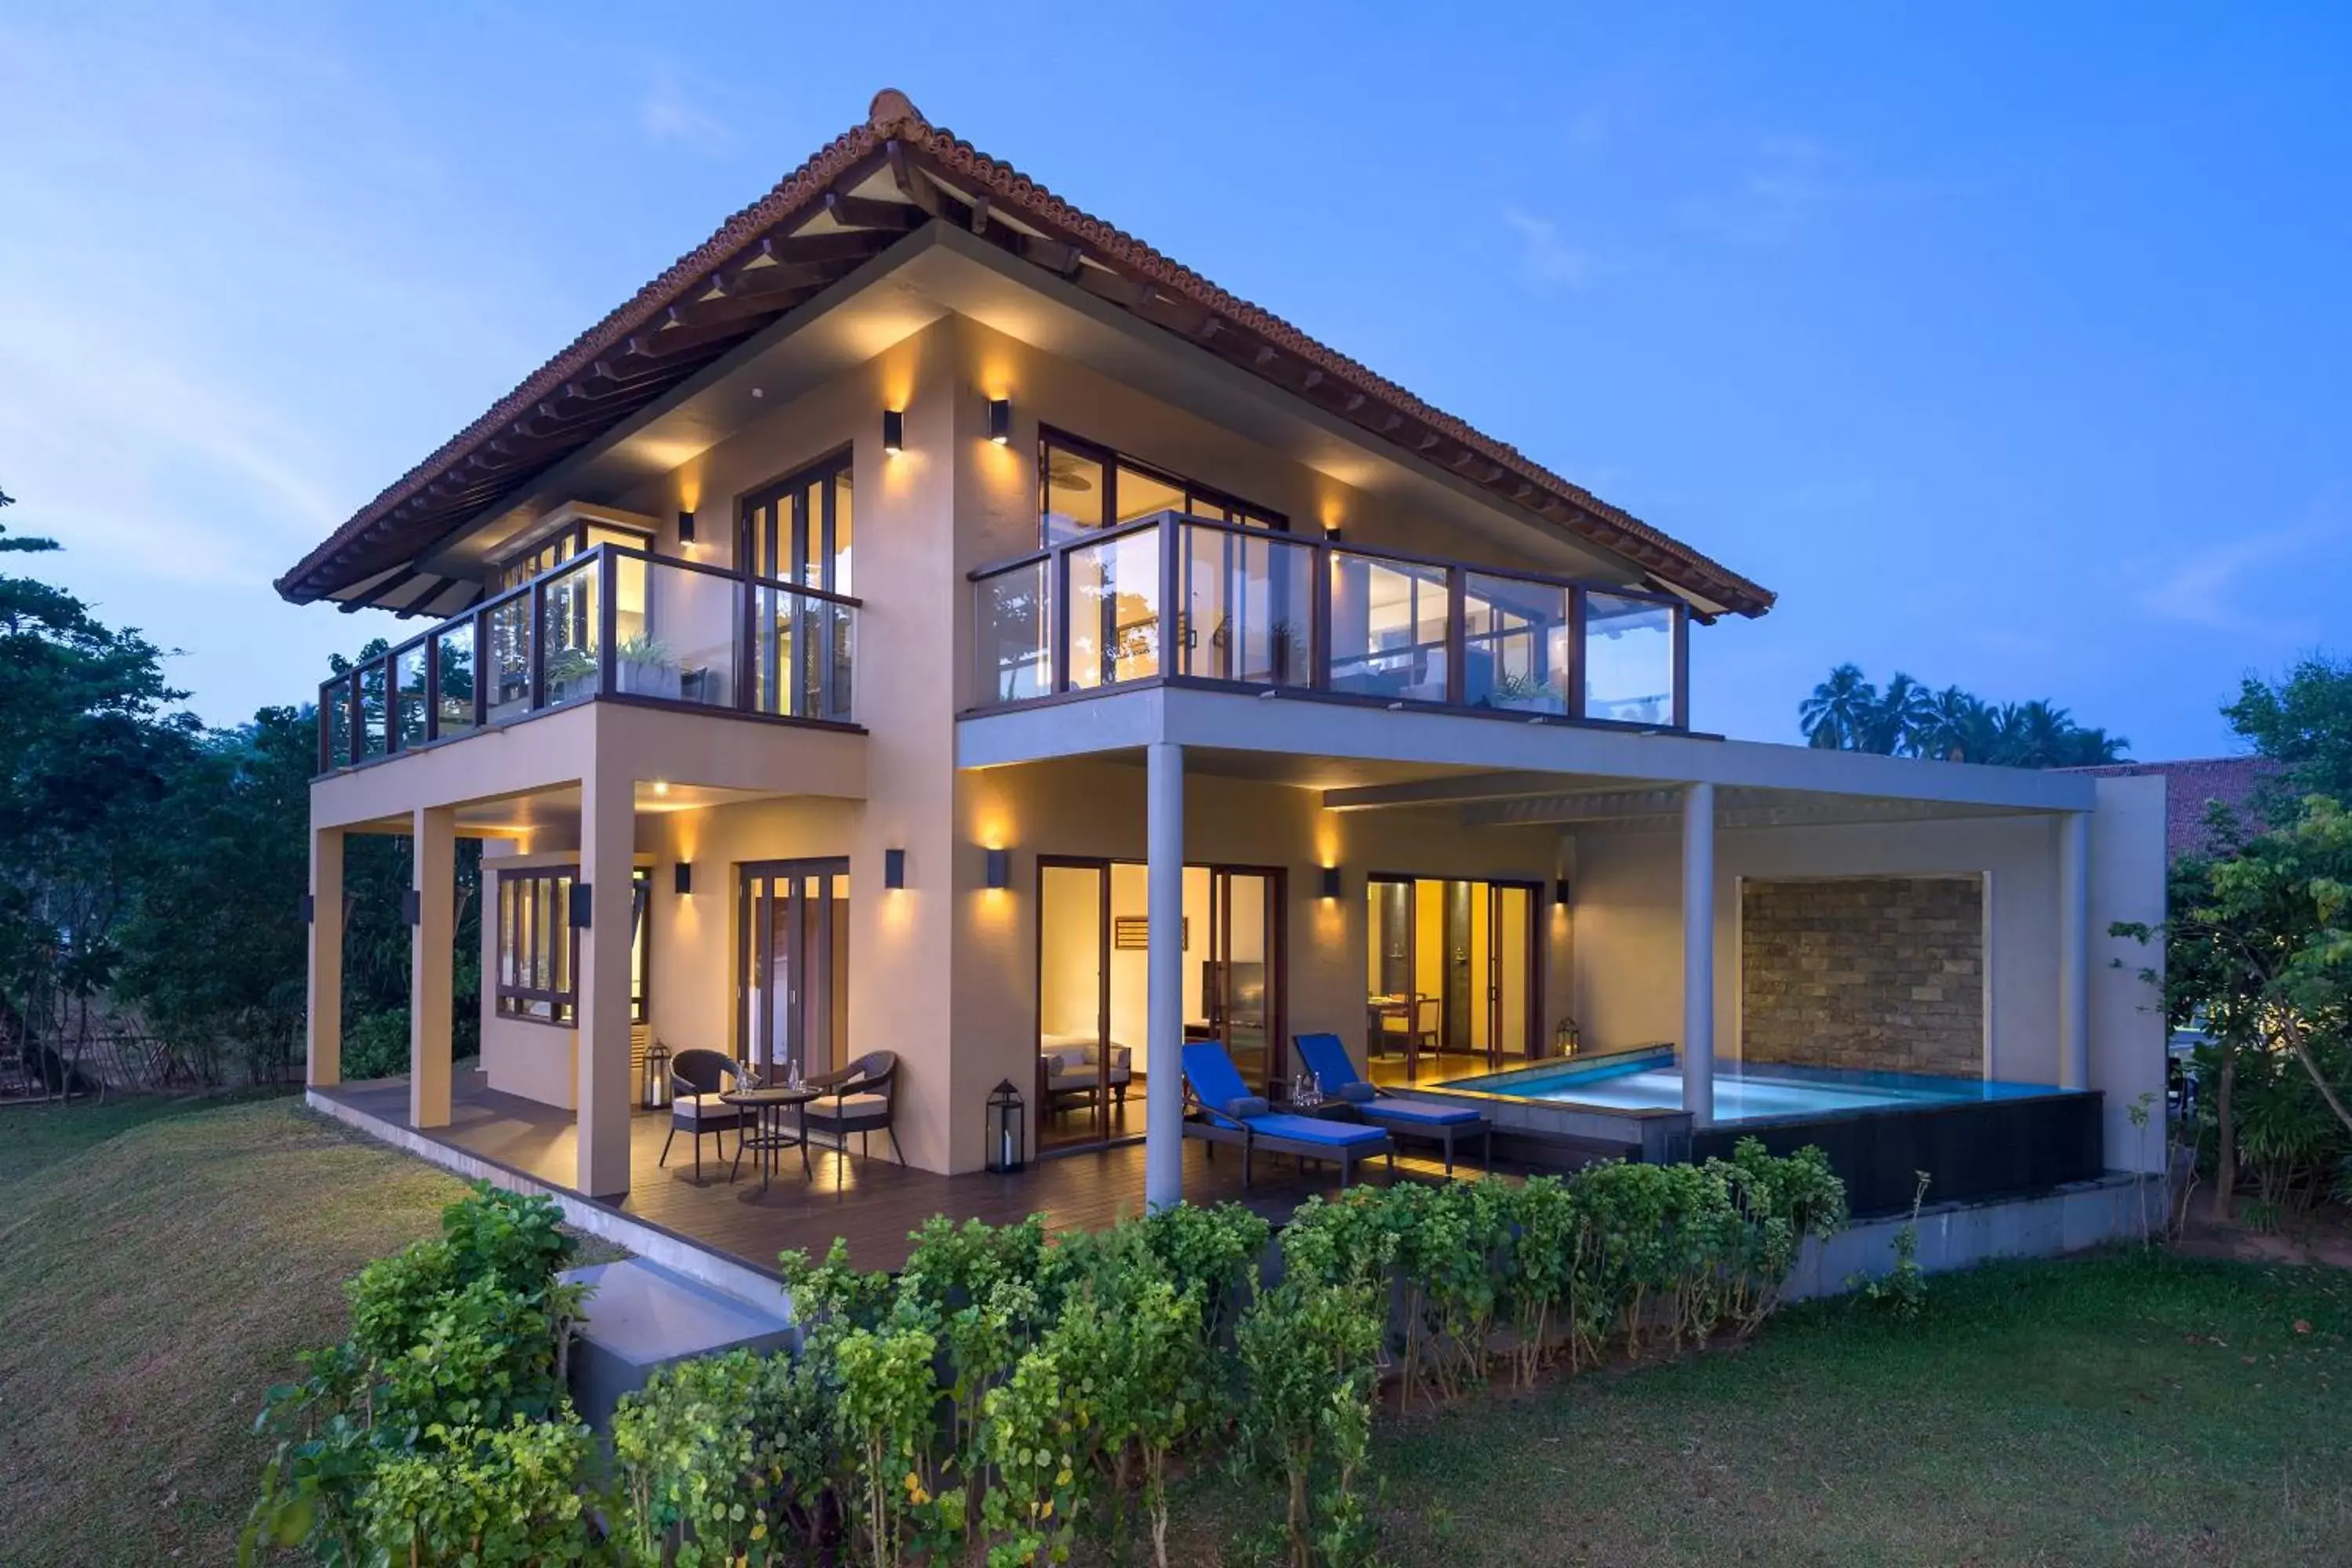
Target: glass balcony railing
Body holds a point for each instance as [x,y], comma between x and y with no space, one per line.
[612,623]
[1204,601]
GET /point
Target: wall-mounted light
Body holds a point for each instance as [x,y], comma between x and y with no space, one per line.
[685,528]
[893,867]
[583,906]
[894,431]
[412,906]
[1000,867]
[682,876]
[1559,891]
[1330,882]
[999,420]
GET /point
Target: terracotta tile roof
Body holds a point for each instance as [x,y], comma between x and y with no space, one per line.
[459,479]
[2192,787]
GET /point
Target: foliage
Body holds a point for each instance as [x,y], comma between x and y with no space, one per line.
[451,1338]
[719,1456]
[1848,713]
[1902,1292]
[376,1046]
[1309,1350]
[2301,721]
[482,1495]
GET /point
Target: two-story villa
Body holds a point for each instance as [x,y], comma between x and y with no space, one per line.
[927,618]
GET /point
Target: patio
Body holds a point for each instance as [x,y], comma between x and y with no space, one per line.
[870,1202]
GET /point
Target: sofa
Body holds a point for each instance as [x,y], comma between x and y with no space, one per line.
[1076,1066]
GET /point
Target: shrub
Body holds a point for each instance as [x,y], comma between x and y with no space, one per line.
[376,1046]
[1310,1353]
[719,1457]
[479,1495]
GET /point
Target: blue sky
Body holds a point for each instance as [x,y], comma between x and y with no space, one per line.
[2009,344]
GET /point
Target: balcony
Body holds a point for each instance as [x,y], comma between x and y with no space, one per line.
[1270,613]
[612,624]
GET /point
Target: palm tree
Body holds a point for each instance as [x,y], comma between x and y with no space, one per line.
[1835,715]
[1954,728]
[1897,721]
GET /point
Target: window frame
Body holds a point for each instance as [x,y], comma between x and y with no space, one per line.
[515,949]
[1229,507]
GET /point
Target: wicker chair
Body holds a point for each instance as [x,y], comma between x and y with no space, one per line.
[858,1099]
[697,1079]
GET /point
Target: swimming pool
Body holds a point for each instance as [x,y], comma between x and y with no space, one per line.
[1651,1081]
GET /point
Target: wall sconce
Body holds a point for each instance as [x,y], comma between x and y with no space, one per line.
[894,868]
[412,906]
[894,431]
[583,906]
[1330,882]
[685,528]
[1000,869]
[999,420]
[1559,891]
[682,876]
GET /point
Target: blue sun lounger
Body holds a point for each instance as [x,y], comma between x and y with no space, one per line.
[1327,1059]
[1230,1113]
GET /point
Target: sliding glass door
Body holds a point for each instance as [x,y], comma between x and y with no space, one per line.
[1450,974]
[1093,983]
[793,966]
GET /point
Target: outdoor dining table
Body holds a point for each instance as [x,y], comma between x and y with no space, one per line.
[768,1137]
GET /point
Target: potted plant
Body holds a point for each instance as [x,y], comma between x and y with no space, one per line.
[648,668]
[571,672]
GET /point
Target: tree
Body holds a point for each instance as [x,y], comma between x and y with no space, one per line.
[1847,712]
[1836,714]
[2304,723]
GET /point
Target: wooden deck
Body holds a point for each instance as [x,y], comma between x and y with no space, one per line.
[872,1203]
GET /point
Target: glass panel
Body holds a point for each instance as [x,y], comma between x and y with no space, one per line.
[1012,623]
[373,713]
[641,888]
[1249,608]
[408,691]
[1515,644]
[841,533]
[452,658]
[1073,951]
[1629,659]
[1388,628]
[1075,490]
[600,533]
[803,648]
[570,628]
[510,659]
[1141,495]
[335,717]
[1115,610]
[677,630]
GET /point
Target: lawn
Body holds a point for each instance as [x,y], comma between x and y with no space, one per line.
[161,1263]
[2122,1409]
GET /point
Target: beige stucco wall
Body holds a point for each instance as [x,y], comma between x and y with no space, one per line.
[521,1056]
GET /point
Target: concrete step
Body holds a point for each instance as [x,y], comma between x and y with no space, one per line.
[642,1316]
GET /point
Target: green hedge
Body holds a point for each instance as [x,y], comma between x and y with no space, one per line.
[1003,1398]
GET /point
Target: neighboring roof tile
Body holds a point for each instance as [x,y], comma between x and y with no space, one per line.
[2192,787]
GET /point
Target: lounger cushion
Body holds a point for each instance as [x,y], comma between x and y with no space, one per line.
[1357,1093]
[1424,1115]
[1245,1108]
[1308,1130]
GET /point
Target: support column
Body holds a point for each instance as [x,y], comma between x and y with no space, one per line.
[324,1023]
[2074,950]
[607,854]
[433,840]
[1163,1088]
[1699,953]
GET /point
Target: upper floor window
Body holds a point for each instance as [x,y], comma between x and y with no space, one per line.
[576,537]
[1083,486]
[798,530]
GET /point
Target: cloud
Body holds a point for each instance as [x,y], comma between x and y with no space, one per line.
[1788,180]
[671,112]
[2209,588]
[1546,261]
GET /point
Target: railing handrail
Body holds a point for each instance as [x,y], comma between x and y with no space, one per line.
[601,561]
[1173,601]
[1308,541]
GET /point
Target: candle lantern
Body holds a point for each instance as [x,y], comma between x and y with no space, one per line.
[656,1095]
[1008,1133]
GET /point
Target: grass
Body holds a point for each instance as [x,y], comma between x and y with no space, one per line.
[161,1263]
[2129,1408]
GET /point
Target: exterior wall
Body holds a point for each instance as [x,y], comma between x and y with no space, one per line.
[1629,922]
[1877,973]
[2128,1032]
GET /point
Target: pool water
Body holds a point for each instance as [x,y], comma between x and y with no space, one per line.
[1651,1081]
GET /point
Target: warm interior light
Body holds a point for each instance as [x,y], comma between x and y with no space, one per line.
[1559,891]
[999,420]
[894,431]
